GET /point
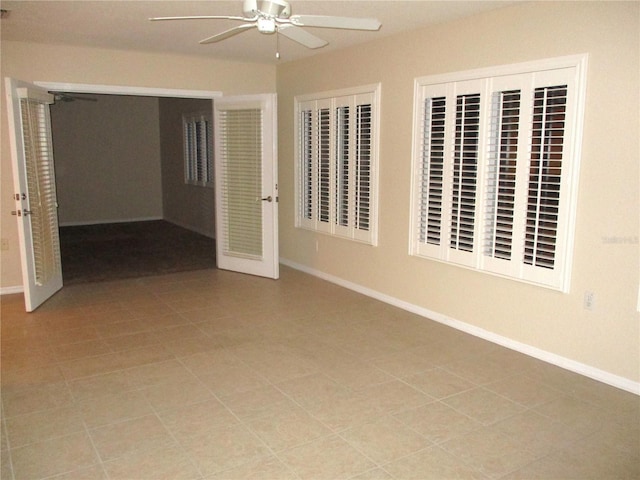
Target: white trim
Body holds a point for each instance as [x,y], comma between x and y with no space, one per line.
[11,290]
[578,61]
[552,358]
[127,90]
[374,88]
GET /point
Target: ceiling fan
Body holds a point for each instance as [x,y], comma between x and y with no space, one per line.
[274,16]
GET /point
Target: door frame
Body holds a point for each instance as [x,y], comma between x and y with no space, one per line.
[266,264]
[106,89]
[101,89]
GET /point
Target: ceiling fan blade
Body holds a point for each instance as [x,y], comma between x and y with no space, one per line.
[301,36]
[326,21]
[228,33]
[201,17]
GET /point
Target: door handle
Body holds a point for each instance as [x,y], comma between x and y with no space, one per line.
[267,199]
[27,212]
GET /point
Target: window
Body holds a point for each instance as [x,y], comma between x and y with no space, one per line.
[198,149]
[495,168]
[337,156]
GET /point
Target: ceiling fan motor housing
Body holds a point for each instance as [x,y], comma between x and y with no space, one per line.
[274,8]
[266,25]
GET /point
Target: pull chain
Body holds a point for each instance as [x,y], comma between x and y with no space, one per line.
[277,45]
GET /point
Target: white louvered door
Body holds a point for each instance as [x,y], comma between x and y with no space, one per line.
[35,205]
[246,184]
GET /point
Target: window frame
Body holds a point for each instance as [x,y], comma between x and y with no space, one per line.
[337,194]
[198,168]
[527,77]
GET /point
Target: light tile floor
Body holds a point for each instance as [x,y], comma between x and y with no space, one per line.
[216,375]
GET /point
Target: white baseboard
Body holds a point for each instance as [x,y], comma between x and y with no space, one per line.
[101,222]
[11,290]
[549,357]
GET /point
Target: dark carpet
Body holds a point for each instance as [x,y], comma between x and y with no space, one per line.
[98,253]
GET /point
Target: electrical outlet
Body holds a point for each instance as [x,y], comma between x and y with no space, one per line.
[589,300]
[4,244]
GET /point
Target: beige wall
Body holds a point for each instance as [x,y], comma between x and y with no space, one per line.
[107,159]
[63,64]
[190,206]
[607,338]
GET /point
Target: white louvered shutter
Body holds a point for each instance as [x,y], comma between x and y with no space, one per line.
[343,167]
[336,179]
[323,174]
[543,198]
[364,169]
[306,147]
[198,149]
[505,175]
[429,174]
[494,172]
[464,181]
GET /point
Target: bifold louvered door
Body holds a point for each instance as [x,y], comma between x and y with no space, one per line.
[35,201]
[246,184]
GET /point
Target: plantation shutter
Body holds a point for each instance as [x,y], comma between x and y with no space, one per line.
[198,149]
[430,175]
[506,173]
[501,174]
[543,198]
[324,164]
[241,182]
[205,156]
[465,172]
[307,164]
[335,174]
[189,150]
[363,167]
[41,194]
[492,171]
[343,162]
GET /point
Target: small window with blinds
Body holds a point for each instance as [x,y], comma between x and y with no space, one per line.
[198,148]
[495,168]
[336,169]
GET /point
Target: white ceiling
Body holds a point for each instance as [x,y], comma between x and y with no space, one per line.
[124,24]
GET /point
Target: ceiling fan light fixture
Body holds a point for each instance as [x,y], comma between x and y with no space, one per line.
[266,25]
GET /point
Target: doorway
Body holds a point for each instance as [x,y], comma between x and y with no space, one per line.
[238,121]
[124,206]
